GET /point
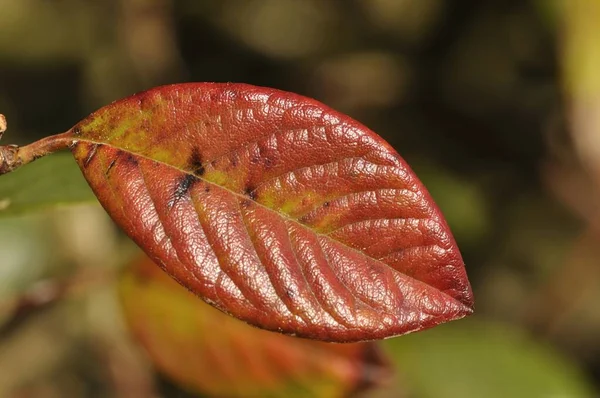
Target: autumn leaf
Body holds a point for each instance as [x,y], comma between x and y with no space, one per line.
[206,351]
[271,207]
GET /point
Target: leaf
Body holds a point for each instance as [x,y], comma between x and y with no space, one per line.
[482,359]
[271,207]
[209,352]
[49,182]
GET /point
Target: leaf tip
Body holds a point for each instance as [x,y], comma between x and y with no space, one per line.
[466,303]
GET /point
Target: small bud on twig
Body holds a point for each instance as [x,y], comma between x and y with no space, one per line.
[2,124]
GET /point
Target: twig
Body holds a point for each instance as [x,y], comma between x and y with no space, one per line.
[45,294]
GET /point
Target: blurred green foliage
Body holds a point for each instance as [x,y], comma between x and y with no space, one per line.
[48,182]
[497,360]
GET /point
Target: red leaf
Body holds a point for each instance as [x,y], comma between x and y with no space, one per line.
[207,351]
[273,208]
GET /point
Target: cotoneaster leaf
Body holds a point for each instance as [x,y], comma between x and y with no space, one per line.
[271,207]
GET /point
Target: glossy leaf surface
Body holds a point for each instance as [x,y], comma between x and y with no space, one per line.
[275,209]
[209,352]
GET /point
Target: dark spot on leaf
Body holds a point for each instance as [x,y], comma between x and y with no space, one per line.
[290,293]
[268,162]
[130,159]
[326,204]
[183,186]
[195,162]
[91,155]
[207,188]
[111,165]
[76,131]
[113,124]
[250,192]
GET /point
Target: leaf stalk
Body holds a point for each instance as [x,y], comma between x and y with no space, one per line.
[12,156]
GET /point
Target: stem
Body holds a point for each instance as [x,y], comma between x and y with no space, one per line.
[13,157]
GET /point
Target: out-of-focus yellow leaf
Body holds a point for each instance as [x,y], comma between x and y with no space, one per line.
[207,351]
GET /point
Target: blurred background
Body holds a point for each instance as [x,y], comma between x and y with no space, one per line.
[495,105]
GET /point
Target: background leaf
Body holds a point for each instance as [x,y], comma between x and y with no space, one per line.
[275,209]
[48,182]
[210,352]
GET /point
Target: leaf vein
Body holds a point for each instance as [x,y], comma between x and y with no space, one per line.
[263,261]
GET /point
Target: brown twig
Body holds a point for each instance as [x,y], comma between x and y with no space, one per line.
[44,294]
[13,157]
